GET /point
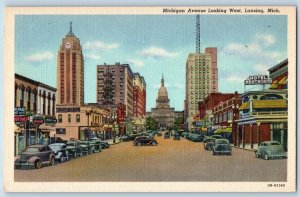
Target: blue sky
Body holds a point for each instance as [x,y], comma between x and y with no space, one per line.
[152,45]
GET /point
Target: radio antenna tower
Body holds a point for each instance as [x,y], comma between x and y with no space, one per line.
[197,33]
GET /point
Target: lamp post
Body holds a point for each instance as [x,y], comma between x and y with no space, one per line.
[88,113]
[113,117]
[234,128]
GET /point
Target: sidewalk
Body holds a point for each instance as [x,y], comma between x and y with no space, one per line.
[111,141]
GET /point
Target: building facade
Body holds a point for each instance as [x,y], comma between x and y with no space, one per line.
[70,71]
[83,122]
[114,86]
[225,115]
[163,114]
[34,112]
[139,103]
[279,75]
[263,117]
[201,80]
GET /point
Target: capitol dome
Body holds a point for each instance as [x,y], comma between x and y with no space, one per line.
[162,97]
[162,92]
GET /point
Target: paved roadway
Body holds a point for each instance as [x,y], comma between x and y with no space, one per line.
[168,161]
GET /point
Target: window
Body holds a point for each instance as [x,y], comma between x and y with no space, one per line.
[69,117]
[59,117]
[77,117]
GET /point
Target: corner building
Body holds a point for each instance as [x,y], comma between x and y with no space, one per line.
[115,86]
[201,80]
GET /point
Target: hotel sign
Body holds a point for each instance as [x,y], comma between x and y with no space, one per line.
[258,79]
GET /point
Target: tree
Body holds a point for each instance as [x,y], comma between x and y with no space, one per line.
[178,122]
[151,123]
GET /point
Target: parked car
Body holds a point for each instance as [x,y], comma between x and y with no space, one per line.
[159,133]
[57,140]
[270,149]
[212,136]
[144,140]
[184,134]
[35,155]
[208,145]
[104,144]
[86,147]
[222,146]
[60,151]
[96,144]
[167,135]
[176,136]
[74,148]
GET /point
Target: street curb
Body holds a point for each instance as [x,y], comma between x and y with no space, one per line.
[252,150]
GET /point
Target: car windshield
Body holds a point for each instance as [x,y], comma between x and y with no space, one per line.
[70,144]
[222,142]
[275,144]
[32,149]
[55,147]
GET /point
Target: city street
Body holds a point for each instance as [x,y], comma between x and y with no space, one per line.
[170,160]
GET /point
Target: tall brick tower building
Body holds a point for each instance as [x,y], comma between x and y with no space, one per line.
[70,71]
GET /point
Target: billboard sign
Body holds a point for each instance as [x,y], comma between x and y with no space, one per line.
[258,80]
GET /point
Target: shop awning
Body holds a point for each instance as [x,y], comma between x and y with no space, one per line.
[218,131]
[245,105]
[46,128]
[227,130]
[204,129]
[274,85]
[283,81]
[279,103]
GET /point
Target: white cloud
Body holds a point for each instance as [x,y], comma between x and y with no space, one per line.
[136,62]
[234,78]
[156,52]
[266,40]
[93,57]
[100,45]
[261,68]
[39,57]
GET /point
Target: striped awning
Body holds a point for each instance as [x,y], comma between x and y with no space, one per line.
[283,81]
[279,103]
[274,85]
[245,105]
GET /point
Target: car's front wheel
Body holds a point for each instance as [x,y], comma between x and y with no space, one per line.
[61,159]
[266,157]
[75,154]
[256,155]
[38,164]
[52,161]
[139,144]
[153,143]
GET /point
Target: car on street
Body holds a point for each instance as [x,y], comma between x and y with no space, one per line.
[167,135]
[74,148]
[176,136]
[35,155]
[86,147]
[96,144]
[184,134]
[270,149]
[212,136]
[208,145]
[104,144]
[57,140]
[221,147]
[159,133]
[60,151]
[144,140]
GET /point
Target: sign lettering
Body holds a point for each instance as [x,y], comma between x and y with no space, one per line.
[258,79]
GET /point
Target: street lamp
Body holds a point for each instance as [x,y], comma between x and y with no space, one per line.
[88,113]
[113,117]
[234,128]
